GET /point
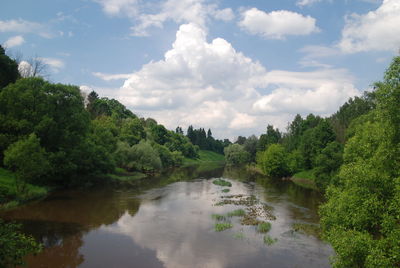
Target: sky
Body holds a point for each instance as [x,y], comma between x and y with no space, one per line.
[232,66]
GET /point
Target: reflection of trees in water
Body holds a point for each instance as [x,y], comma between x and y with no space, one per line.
[60,222]
[64,254]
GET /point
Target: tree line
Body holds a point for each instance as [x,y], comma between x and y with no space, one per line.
[354,156]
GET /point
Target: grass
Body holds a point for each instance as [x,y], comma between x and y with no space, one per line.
[236,213]
[222,182]
[225,190]
[305,179]
[219,227]
[121,175]
[264,227]
[269,240]
[218,217]
[205,157]
[9,197]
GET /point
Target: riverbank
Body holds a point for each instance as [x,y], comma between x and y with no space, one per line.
[305,179]
[10,197]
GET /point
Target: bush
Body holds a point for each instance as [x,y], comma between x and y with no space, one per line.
[273,161]
[235,154]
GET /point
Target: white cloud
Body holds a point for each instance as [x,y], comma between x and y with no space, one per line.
[302,3]
[148,15]
[318,92]
[53,62]
[14,41]
[23,26]
[210,84]
[129,8]
[376,30]
[109,77]
[277,24]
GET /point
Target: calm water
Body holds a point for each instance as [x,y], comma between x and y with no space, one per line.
[166,222]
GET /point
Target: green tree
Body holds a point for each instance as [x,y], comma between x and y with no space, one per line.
[14,245]
[235,154]
[8,69]
[361,217]
[28,160]
[145,158]
[273,161]
[327,164]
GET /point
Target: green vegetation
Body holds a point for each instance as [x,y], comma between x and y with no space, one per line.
[14,245]
[219,227]
[264,227]
[205,141]
[269,240]
[218,217]
[235,154]
[236,213]
[206,158]
[361,216]
[274,161]
[305,179]
[10,196]
[222,182]
[225,190]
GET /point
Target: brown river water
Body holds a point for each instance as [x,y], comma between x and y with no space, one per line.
[166,221]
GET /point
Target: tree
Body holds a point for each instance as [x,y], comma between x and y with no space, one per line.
[236,155]
[14,245]
[33,67]
[273,161]
[8,69]
[272,136]
[327,164]
[55,113]
[250,145]
[361,217]
[28,160]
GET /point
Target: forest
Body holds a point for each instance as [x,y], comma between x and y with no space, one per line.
[54,135]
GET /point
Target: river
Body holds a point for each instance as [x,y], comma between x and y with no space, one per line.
[167,221]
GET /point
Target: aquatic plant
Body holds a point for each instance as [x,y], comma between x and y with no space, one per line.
[218,217]
[264,227]
[269,240]
[222,182]
[226,190]
[237,213]
[219,227]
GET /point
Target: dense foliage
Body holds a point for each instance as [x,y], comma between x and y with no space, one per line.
[361,218]
[14,245]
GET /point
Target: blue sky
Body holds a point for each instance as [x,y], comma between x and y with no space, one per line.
[232,66]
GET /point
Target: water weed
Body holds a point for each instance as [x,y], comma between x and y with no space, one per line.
[219,227]
[237,213]
[264,227]
[269,240]
[222,182]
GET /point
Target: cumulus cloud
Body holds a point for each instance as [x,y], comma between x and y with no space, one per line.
[109,77]
[155,15]
[23,26]
[277,24]
[210,84]
[14,41]
[128,8]
[376,30]
[318,92]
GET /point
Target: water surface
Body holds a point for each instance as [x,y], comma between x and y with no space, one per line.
[166,222]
